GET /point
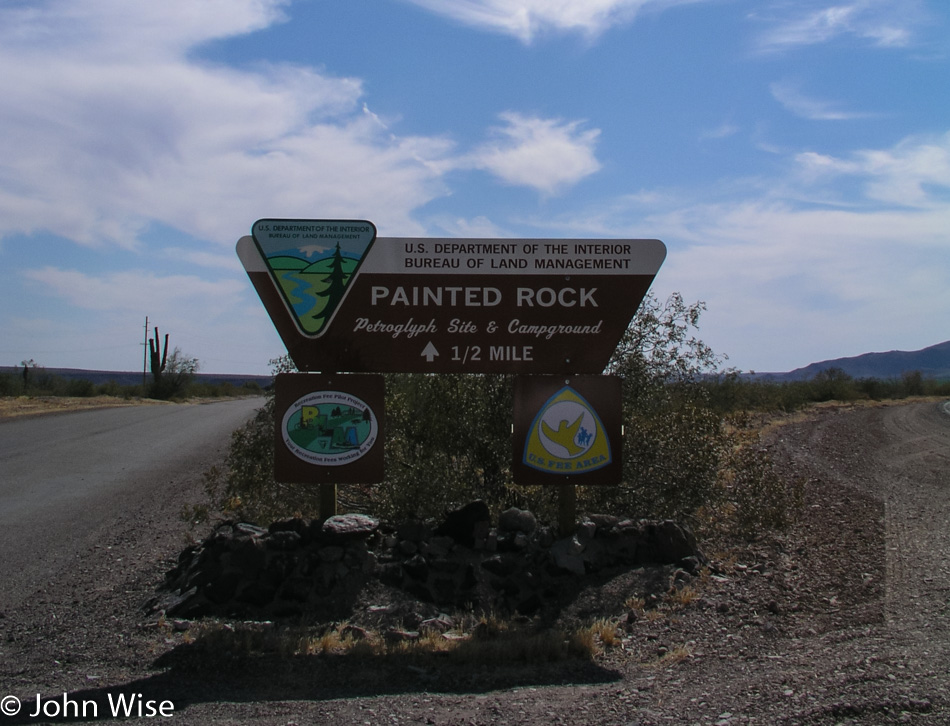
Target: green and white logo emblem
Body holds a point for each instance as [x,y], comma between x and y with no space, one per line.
[329,428]
[313,262]
[567,436]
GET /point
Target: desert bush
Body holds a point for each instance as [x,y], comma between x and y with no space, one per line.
[448,443]
[672,449]
[913,383]
[730,392]
[833,384]
[44,383]
[174,380]
[759,499]
[674,438]
[80,388]
[111,388]
[246,486]
[448,440]
[11,385]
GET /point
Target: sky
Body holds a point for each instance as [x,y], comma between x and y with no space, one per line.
[793,155]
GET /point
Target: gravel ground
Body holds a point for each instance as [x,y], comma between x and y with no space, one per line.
[844,619]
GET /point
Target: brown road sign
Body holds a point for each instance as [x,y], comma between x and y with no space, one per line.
[454,305]
[329,429]
[567,429]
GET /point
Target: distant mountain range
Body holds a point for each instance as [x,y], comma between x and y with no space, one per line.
[932,362]
[127,378]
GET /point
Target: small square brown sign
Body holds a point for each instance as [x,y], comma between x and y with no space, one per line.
[329,428]
[567,430]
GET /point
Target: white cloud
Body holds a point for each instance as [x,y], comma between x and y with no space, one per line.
[545,154]
[790,96]
[835,279]
[915,173]
[117,291]
[212,260]
[883,23]
[476,228]
[834,282]
[526,19]
[723,131]
[116,29]
[109,124]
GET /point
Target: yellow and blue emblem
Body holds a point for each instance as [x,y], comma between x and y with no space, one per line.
[567,436]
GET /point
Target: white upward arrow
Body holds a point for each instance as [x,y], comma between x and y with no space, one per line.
[430,352]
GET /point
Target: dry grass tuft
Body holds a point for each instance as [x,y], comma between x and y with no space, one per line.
[675,655]
[485,640]
[608,631]
[680,597]
[491,640]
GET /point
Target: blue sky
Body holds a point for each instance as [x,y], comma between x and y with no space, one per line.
[794,156]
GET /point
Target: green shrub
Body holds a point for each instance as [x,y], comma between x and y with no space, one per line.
[111,388]
[448,440]
[247,488]
[730,392]
[833,384]
[177,377]
[11,385]
[45,383]
[674,437]
[673,445]
[448,443]
[913,383]
[80,387]
[760,499]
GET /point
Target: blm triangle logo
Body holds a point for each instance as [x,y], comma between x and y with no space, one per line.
[312,263]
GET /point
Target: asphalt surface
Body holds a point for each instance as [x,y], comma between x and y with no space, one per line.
[64,478]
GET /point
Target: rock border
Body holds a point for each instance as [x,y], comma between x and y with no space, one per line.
[319,569]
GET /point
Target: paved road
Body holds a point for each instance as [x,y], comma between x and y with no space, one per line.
[64,478]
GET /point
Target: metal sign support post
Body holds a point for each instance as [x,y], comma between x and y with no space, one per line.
[327,501]
[566,508]
[328,493]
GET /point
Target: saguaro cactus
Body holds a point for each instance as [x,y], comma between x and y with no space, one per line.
[157,364]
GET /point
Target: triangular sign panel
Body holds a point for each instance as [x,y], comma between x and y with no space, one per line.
[342,299]
[567,436]
[312,263]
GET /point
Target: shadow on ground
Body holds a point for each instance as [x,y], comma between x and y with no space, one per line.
[193,674]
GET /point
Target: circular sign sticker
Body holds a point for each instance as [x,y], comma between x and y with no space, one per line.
[567,429]
[329,428]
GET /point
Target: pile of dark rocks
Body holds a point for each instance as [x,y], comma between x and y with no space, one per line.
[320,569]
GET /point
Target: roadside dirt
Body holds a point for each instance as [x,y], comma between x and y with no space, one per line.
[15,406]
[844,619]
